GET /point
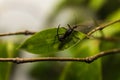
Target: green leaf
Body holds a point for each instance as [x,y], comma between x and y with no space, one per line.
[46,41]
[96,4]
[80,70]
[7,50]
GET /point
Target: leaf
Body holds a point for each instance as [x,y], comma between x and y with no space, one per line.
[80,70]
[46,41]
[96,4]
[7,50]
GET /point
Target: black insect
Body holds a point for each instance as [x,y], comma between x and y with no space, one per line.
[63,37]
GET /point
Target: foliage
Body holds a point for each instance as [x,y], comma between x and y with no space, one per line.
[106,68]
[77,44]
[47,41]
[7,50]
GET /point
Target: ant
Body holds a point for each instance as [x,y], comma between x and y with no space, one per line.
[66,34]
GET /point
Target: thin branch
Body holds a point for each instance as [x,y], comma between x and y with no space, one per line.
[87,59]
[88,34]
[102,26]
[18,33]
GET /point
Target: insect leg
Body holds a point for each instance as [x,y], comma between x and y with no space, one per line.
[69,26]
[57,35]
[58,31]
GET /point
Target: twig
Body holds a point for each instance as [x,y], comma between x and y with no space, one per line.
[88,34]
[18,33]
[102,26]
[87,59]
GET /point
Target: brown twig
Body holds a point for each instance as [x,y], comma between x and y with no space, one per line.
[102,26]
[18,33]
[87,59]
[88,34]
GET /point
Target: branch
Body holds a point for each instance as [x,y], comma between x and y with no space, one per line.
[102,27]
[88,34]
[87,59]
[18,33]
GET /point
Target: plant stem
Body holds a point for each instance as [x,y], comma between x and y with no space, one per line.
[86,59]
[100,27]
[18,33]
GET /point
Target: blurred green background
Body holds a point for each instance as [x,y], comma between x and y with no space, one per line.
[86,12]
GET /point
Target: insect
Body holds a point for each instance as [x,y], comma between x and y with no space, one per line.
[68,32]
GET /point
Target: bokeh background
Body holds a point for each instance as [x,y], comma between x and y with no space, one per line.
[36,15]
